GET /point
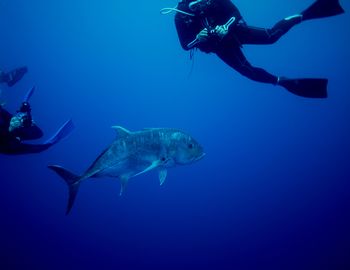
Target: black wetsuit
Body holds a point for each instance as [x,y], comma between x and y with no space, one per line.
[11,142]
[229,49]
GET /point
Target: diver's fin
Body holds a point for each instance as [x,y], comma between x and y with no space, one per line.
[15,75]
[65,130]
[309,88]
[322,8]
[121,132]
[29,95]
[162,176]
[72,181]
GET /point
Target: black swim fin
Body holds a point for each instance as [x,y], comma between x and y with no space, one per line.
[65,130]
[309,88]
[28,95]
[14,76]
[322,8]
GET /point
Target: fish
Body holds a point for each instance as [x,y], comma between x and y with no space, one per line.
[133,153]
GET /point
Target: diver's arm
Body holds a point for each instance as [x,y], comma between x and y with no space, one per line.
[202,36]
[227,15]
[223,10]
[187,26]
[185,33]
[186,30]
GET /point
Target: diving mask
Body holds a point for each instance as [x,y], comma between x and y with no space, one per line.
[199,5]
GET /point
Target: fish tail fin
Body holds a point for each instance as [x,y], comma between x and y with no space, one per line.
[73,182]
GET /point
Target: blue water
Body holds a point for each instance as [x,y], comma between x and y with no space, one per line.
[272,191]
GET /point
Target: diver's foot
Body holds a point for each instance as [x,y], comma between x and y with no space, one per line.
[305,87]
[297,17]
[322,9]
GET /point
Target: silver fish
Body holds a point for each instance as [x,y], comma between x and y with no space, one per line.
[134,153]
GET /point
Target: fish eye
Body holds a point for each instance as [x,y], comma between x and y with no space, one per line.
[190,145]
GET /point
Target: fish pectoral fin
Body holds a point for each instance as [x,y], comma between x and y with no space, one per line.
[123,183]
[162,176]
[153,165]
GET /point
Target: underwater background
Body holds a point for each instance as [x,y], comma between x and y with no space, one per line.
[272,191]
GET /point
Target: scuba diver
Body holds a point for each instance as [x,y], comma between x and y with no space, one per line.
[13,76]
[20,127]
[216,26]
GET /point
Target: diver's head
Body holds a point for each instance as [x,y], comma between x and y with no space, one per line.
[199,5]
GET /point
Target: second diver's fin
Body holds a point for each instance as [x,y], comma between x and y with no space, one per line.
[28,95]
[322,8]
[65,130]
[309,88]
[15,75]
[72,181]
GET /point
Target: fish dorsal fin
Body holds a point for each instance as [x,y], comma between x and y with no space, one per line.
[162,176]
[150,129]
[121,132]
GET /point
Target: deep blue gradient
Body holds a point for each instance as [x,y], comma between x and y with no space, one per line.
[272,191]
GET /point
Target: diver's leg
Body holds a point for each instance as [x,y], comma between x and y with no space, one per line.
[13,146]
[32,132]
[305,87]
[234,57]
[32,148]
[255,35]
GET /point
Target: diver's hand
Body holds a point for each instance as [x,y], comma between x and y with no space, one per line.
[221,31]
[203,35]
